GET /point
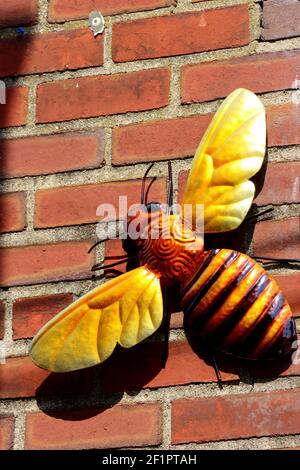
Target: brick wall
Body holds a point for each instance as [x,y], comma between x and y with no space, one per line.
[83,118]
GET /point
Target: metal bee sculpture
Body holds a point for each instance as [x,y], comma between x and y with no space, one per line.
[228,299]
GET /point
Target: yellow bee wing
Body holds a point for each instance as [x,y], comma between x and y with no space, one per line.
[231,151]
[125,310]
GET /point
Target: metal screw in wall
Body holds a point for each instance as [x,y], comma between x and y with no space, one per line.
[96,22]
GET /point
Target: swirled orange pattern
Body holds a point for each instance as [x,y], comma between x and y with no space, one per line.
[170,249]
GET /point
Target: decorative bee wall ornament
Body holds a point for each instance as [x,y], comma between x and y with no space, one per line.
[229,301]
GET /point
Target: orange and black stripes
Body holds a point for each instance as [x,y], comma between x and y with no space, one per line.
[233,304]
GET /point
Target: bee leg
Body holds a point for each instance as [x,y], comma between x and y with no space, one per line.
[167,319]
[266,259]
[252,379]
[258,214]
[217,371]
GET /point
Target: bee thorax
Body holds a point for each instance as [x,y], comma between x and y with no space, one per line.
[170,249]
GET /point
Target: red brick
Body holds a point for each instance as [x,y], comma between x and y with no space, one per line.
[52,154]
[49,52]
[158,140]
[18,12]
[103,95]
[272,371]
[2,319]
[236,416]
[30,314]
[281,185]
[285,367]
[63,10]
[289,13]
[44,263]
[176,320]
[78,204]
[21,378]
[177,138]
[180,34]
[289,283]
[7,423]
[141,367]
[277,238]
[114,248]
[12,208]
[283,124]
[94,428]
[259,73]
[14,112]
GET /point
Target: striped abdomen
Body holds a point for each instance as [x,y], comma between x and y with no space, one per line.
[234,305]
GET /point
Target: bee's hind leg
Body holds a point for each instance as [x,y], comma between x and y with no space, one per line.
[217,371]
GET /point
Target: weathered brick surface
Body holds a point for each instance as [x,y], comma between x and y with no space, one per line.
[176,320]
[283,125]
[235,416]
[43,263]
[30,314]
[180,34]
[21,378]
[51,154]
[277,238]
[50,51]
[78,204]
[289,284]
[102,95]
[281,19]
[6,432]
[183,367]
[119,426]
[13,207]
[259,73]
[280,185]
[158,140]
[14,111]
[62,10]
[18,12]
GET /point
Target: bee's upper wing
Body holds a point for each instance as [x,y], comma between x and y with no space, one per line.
[125,310]
[231,151]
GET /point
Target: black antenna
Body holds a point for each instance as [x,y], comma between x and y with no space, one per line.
[170,186]
[148,189]
[143,184]
[118,234]
[98,243]
[99,266]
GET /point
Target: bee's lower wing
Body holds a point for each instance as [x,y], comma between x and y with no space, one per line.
[125,310]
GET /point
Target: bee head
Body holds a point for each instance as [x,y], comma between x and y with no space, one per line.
[138,222]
